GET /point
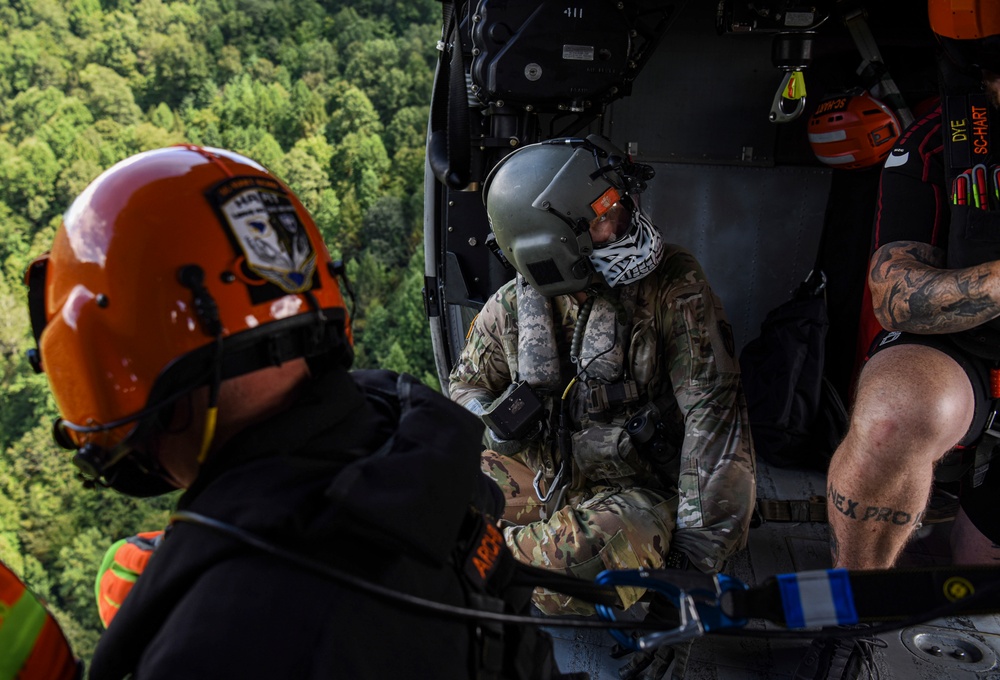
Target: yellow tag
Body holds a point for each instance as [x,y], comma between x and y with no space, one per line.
[796,88]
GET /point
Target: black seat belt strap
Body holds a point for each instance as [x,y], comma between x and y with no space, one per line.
[851,597]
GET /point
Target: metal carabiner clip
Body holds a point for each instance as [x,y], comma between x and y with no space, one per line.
[699,604]
[792,89]
[537,483]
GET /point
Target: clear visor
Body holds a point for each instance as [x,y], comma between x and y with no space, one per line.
[612,226]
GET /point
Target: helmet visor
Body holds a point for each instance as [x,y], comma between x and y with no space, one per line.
[610,226]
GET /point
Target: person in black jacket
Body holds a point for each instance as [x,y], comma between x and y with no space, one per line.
[191,325]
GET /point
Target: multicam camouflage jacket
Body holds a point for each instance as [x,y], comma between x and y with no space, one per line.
[680,356]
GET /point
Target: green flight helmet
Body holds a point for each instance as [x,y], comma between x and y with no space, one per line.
[539,212]
[541,199]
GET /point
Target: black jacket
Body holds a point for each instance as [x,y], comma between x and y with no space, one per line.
[376,481]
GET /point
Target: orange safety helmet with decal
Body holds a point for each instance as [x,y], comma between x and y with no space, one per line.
[852,131]
[176,268]
[969,31]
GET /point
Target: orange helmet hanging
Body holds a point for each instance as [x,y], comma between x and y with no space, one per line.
[174,267]
[852,131]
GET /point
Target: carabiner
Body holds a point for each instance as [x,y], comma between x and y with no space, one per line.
[537,482]
[699,604]
[792,89]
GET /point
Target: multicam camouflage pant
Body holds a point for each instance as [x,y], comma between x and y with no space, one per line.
[610,529]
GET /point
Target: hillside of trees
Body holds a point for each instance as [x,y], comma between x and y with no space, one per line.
[332,96]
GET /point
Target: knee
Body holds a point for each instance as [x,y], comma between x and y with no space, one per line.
[910,421]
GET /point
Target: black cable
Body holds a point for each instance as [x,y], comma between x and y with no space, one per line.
[466,613]
[390,594]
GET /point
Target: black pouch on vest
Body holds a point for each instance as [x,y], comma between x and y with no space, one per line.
[516,413]
[974,238]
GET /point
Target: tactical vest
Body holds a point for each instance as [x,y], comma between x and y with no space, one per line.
[968,123]
[603,400]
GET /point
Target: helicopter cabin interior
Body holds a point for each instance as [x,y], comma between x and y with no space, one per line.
[719,97]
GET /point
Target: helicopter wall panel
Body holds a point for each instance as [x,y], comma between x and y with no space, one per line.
[755,231]
[689,103]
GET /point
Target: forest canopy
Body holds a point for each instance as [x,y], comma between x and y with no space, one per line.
[331,96]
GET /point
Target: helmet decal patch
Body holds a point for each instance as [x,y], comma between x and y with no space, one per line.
[263,222]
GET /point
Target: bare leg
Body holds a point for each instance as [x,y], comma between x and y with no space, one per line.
[969,546]
[913,404]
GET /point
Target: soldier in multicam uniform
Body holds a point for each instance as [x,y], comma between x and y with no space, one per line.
[638,452]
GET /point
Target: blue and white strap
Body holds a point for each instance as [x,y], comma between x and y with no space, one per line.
[812,599]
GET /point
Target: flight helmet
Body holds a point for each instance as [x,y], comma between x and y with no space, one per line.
[969,32]
[176,268]
[852,131]
[541,200]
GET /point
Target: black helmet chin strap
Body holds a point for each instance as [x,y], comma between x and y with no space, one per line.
[192,276]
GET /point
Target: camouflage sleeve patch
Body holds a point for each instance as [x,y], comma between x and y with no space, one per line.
[717,482]
[485,367]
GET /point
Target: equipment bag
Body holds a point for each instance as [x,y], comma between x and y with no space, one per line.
[797,419]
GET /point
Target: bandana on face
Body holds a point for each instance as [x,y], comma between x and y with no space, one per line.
[631,257]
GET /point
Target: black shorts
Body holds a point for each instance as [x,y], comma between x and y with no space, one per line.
[980,503]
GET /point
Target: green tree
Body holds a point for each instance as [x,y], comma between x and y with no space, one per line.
[29,176]
[74,178]
[386,233]
[265,150]
[108,95]
[84,16]
[247,103]
[328,221]
[29,110]
[406,129]
[306,177]
[68,121]
[117,45]
[352,112]
[331,96]
[349,27]
[303,116]
[360,167]
[173,65]
[374,68]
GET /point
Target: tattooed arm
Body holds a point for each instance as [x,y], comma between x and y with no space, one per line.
[912,292]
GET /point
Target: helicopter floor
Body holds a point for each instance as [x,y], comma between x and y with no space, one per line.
[967,648]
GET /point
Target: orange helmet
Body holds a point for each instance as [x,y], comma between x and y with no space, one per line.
[175,268]
[852,130]
[969,31]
